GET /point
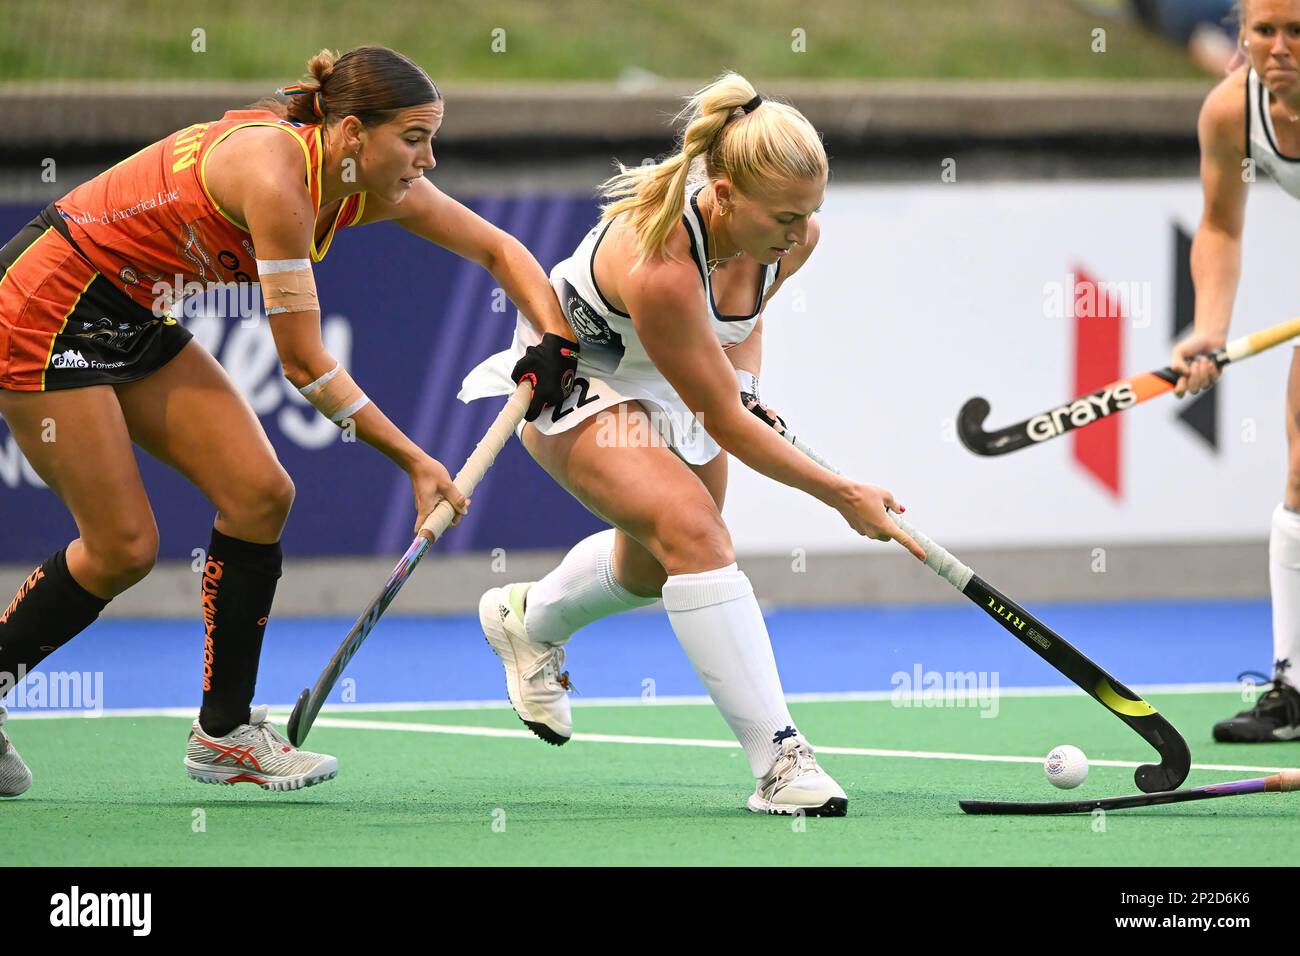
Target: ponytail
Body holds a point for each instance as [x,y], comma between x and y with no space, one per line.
[750,140]
[371,83]
[654,195]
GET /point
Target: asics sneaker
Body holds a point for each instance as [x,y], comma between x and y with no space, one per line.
[255,752]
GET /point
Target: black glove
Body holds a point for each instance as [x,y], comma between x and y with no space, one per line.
[552,365]
[750,401]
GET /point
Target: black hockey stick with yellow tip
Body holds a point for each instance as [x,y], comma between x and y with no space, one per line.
[1150,725]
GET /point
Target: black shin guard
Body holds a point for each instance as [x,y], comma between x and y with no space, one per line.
[237,590]
[49,610]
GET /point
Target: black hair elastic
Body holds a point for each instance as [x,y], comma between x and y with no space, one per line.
[753,104]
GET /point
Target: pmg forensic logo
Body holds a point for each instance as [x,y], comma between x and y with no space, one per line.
[78,909]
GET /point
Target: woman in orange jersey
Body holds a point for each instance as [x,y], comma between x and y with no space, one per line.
[254,196]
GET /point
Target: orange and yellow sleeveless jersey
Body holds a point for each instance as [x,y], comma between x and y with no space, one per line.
[151,218]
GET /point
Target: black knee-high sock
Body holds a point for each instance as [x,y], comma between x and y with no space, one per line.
[237,589]
[49,610]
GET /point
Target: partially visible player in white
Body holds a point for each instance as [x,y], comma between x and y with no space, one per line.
[666,296]
[1253,115]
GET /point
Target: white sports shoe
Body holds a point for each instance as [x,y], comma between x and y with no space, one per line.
[536,682]
[15,778]
[795,784]
[255,753]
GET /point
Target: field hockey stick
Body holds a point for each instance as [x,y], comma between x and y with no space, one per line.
[1150,725]
[1285,782]
[1114,398]
[467,479]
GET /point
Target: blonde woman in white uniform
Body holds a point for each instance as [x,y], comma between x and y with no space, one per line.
[1254,114]
[666,297]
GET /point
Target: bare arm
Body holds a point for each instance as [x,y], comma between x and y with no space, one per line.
[668,310]
[432,214]
[1216,249]
[280,217]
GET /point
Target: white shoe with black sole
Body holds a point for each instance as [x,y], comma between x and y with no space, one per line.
[796,784]
[536,682]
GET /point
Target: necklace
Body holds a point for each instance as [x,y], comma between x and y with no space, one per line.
[710,264]
[714,263]
[1286,108]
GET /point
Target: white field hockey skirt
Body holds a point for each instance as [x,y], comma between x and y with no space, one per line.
[670,423]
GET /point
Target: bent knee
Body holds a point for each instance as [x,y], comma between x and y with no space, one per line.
[263,499]
[279,493]
[123,557]
[693,539]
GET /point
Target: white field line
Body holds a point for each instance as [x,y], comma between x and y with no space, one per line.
[345,723]
[579,701]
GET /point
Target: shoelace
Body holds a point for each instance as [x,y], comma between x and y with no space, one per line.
[554,658]
[789,763]
[1275,698]
[805,760]
[270,736]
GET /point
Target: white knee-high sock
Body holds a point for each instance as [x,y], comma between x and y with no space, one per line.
[1284,582]
[582,589]
[718,623]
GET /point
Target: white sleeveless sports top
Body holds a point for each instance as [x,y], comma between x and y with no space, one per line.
[1261,143]
[610,346]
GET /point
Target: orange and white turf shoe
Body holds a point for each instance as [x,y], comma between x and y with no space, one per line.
[255,752]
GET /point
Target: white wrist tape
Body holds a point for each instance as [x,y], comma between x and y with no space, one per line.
[336,395]
[272,266]
[748,382]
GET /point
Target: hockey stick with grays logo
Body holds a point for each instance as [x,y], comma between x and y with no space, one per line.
[1115,397]
[1151,726]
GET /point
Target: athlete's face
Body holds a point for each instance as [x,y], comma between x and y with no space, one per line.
[767,223]
[394,155]
[1271,31]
